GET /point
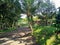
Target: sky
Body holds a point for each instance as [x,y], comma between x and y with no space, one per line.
[23,15]
[56,2]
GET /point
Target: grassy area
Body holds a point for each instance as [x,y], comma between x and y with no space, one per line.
[23,22]
[46,35]
[8,30]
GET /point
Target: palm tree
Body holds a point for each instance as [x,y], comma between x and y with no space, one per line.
[29,7]
[48,10]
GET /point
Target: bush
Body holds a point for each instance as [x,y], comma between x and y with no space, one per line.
[44,34]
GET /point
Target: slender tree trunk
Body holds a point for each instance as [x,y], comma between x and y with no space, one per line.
[46,20]
[30,22]
[29,17]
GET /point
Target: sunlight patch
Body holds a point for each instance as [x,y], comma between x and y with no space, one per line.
[51,40]
[38,30]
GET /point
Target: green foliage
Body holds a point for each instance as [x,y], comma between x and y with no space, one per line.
[7,30]
[58,19]
[45,35]
[47,10]
[23,22]
[28,5]
[9,13]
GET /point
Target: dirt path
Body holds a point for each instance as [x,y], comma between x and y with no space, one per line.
[21,36]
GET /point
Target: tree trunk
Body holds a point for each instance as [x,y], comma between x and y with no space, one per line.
[30,18]
[30,22]
[46,22]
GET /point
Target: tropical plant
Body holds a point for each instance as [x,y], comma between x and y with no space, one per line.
[58,20]
[47,10]
[29,7]
[9,13]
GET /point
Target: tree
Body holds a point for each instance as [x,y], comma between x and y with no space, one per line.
[47,10]
[58,20]
[9,13]
[29,7]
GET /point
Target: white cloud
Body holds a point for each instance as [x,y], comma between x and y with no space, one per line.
[57,3]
